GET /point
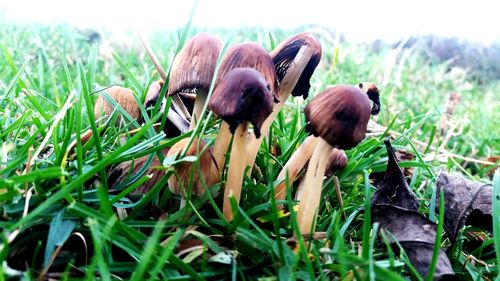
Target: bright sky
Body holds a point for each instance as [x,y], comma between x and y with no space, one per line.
[477,20]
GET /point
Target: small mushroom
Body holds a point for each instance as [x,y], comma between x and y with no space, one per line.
[337,162]
[250,55]
[207,173]
[373,94]
[129,169]
[295,60]
[300,157]
[177,124]
[240,97]
[123,97]
[193,69]
[339,116]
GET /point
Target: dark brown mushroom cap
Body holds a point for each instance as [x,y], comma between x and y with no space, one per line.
[252,55]
[339,115]
[337,162]
[193,67]
[373,94]
[242,95]
[284,54]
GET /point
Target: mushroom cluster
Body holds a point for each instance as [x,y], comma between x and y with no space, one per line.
[246,92]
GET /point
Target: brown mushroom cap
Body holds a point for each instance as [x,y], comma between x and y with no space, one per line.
[284,54]
[373,94]
[193,68]
[184,170]
[123,96]
[337,162]
[339,115]
[126,170]
[242,95]
[252,55]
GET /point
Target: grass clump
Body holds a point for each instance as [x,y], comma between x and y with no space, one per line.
[50,78]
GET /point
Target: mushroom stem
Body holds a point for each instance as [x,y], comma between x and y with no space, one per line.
[221,145]
[236,170]
[199,103]
[313,183]
[285,89]
[294,166]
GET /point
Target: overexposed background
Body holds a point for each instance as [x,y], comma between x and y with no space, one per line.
[477,20]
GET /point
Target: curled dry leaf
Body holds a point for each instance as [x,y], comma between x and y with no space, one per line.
[395,208]
[466,202]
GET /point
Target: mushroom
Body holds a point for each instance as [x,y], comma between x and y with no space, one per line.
[128,169]
[177,104]
[241,96]
[373,94]
[337,162]
[123,97]
[193,69]
[250,55]
[207,173]
[300,157]
[295,60]
[180,125]
[339,117]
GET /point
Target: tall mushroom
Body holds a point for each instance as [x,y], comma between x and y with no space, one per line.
[295,60]
[339,117]
[250,55]
[242,96]
[207,173]
[193,69]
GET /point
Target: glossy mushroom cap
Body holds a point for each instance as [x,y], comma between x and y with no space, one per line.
[207,169]
[339,115]
[242,95]
[252,55]
[193,68]
[373,94]
[284,54]
[337,162]
[123,96]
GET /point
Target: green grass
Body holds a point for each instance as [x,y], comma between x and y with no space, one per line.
[49,79]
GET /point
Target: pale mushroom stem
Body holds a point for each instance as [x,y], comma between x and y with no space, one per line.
[183,202]
[294,166]
[286,87]
[236,170]
[313,183]
[221,145]
[199,103]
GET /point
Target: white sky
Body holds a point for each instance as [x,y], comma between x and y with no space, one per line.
[477,20]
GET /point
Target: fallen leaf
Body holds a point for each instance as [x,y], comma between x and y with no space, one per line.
[395,209]
[466,202]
